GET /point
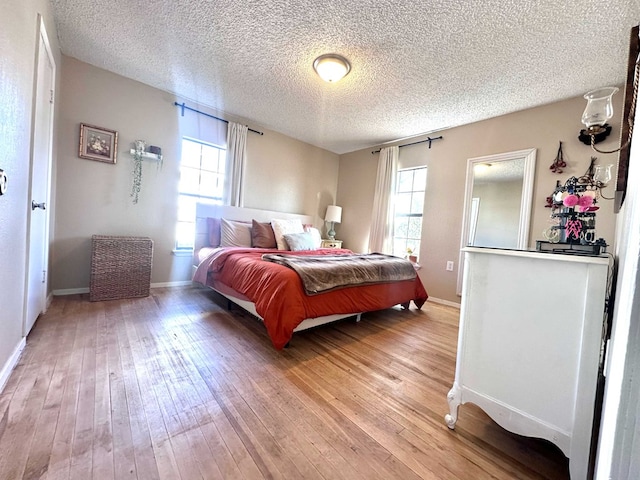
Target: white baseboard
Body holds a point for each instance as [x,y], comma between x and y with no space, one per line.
[69,291]
[180,283]
[11,363]
[73,291]
[444,302]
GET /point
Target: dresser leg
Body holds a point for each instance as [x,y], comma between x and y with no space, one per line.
[453,397]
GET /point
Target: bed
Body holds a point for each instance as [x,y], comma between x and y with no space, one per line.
[276,293]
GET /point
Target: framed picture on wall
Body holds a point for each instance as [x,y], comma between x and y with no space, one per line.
[97,143]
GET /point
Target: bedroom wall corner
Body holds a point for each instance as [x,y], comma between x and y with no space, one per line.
[286,175]
[540,128]
[94,198]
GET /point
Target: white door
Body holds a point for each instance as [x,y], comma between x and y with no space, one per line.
[38,208]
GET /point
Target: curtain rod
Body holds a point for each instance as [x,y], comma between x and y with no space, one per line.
[183,107]
[429,139]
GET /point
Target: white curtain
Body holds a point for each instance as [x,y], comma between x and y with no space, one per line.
[236,159]
[381,235]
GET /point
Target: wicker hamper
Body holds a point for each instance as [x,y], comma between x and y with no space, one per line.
[120,267]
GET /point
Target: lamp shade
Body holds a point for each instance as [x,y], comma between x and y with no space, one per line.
[334,214]
[331,67]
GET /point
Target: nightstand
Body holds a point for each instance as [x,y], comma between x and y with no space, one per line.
[326,243]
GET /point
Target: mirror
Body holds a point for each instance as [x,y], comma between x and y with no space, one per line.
[497,202]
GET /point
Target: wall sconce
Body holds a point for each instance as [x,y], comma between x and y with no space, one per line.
[599,109]
[602,175]
[596,177]
[333,215]
[331,67]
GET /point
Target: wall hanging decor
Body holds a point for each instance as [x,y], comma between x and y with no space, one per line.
[599,109]
[139,153]
[137,169]
[558,162]
[97,143]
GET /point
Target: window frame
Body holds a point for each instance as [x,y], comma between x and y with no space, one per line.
[407,238]
[180,248]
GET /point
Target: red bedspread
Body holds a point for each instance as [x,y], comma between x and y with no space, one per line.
[279,297]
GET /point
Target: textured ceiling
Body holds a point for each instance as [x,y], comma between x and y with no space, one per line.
[501,171]
[417,66]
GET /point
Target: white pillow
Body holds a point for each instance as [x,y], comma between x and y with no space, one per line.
[235,234]
[282,227]
[315,236]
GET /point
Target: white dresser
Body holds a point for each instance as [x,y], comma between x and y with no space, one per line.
[529,345]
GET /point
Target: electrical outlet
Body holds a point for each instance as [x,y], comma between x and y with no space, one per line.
[449,266]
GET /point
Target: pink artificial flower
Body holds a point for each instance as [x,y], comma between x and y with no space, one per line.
[585,201]
[570,201]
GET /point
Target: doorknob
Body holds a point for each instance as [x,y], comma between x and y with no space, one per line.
[35,205]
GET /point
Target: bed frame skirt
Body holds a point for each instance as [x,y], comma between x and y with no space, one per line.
[246,304]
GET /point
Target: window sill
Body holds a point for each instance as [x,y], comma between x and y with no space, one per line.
[182,253]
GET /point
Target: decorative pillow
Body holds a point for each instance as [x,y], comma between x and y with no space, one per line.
[282,227]
[262,235]
[213,226]
[315,235]
[300,241]
[235,234]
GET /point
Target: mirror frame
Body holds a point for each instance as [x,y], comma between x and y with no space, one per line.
[529,156]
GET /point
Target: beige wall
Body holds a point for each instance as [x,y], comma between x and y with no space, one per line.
[540,128]
[286,175]
[94,198]
[18,32]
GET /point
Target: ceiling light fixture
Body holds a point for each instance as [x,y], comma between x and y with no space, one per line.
[331,67]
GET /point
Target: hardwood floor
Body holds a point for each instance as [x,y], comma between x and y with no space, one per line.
[173,386]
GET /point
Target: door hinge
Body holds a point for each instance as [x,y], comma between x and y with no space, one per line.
[51,98]
[44,276]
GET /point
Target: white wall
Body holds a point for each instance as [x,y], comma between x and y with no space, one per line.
[18,31]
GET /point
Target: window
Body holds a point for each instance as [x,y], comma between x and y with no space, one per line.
[409,205]
[201,178]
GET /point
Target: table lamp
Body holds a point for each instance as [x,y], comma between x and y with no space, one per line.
[333,216]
